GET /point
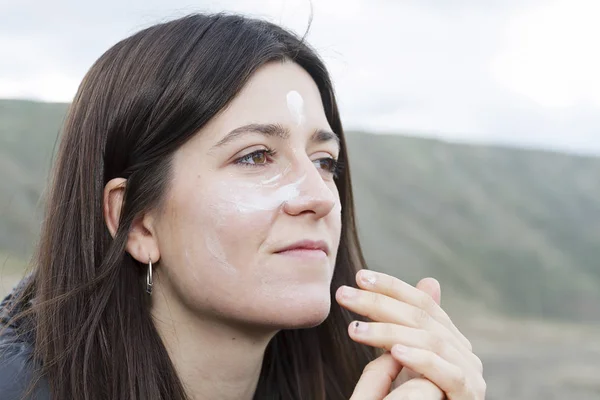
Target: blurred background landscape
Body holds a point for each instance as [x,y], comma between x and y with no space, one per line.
[474,137]
[511,234]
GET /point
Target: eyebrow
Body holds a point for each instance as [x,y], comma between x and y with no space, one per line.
[275,130]
[321,135]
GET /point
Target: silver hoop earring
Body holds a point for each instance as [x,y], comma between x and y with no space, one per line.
[149,277]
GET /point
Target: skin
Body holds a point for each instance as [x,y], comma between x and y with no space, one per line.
[418,335]
[222,289]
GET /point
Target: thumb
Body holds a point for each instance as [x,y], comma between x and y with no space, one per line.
[432,287]
[417,388]
[377,378]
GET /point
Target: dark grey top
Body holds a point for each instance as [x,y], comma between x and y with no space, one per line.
[16,354]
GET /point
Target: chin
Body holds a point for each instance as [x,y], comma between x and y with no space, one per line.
[305,313]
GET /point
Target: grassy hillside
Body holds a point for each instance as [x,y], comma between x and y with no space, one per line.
[28,132]
[503,229]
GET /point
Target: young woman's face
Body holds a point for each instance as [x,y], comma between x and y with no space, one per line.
[251,225]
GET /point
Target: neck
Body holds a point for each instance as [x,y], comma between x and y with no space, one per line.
[213,359]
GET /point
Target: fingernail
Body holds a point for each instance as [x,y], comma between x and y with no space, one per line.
[360,327]
[399,350]
[349,292]
[367,277]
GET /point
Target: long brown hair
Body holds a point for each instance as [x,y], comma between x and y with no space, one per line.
[142,100]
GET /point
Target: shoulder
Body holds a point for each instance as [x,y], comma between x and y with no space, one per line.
[16,371]
[16,359]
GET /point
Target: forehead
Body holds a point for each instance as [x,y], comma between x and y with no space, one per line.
[276,93]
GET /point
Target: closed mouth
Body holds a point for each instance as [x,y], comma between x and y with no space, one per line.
[306,245]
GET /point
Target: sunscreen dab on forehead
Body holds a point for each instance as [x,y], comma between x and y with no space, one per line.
[295,104]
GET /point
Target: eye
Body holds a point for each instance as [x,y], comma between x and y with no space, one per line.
[329,165]
[256,158]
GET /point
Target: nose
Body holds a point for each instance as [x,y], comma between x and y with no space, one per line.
[314,196]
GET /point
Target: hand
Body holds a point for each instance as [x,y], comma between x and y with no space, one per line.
[418,332]
[385,373]
[377,377]
[432,288]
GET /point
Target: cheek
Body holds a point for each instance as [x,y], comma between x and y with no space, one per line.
[336,224]
[223,237]
[231,236]
[211,249]
[214,254]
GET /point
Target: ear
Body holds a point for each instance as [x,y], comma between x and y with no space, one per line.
[142,242]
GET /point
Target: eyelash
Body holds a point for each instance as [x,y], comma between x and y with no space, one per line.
[270,153]
[335,169]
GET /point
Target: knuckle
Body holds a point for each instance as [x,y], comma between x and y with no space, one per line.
[395,286]
[429,361]
[386,330]
[436,344]
[469,344]
[426,302]
[478,364]
[375,299]
[481,388]
[389,335]
[461,380]
[372,306]
[421,317]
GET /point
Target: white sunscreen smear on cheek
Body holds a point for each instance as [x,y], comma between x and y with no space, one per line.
[270,182]
[251,198]
[214,247]
[257,200]
[295,104]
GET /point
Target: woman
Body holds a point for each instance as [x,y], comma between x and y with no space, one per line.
[199,223]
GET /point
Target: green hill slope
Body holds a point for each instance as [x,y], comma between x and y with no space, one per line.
[503,229]
[28,132]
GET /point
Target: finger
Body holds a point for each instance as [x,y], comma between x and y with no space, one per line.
[385,336]
[454,381]
[403,292]
[381,308]
[417,388]
[432,287]
[404,376]
[376,379]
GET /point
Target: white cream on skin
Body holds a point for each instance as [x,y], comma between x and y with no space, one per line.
[268,195]
[220,230]
[248,197]
[295,104]
[243,197]
[214,247]
[272,181]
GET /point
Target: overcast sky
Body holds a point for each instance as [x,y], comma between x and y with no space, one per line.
[525,72]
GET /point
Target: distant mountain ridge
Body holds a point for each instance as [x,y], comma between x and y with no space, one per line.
[509,230]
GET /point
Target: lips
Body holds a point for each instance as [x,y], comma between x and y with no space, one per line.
[305,246]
